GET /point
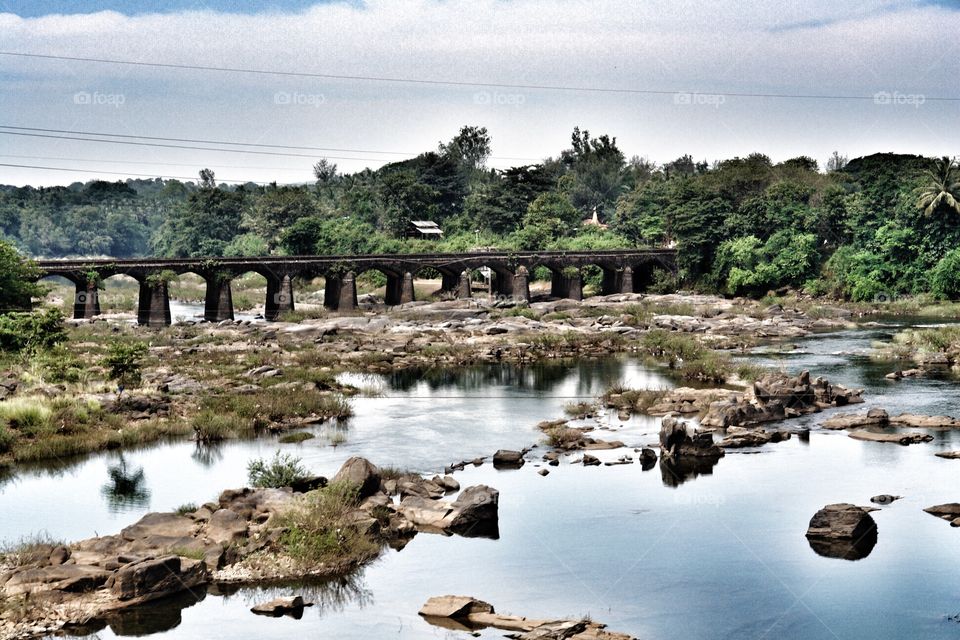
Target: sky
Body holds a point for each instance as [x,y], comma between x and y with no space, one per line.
[711,78]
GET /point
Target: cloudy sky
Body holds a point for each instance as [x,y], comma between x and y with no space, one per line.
[712,78]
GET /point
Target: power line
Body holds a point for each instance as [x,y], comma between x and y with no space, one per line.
[231,143]
[454,83]
[119,173]
[181,146]
[150,163]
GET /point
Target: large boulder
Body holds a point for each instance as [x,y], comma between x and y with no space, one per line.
[361,473]
[676,440]
[475,513]
[157,578]
[292,607]
[843,531]
[508,458]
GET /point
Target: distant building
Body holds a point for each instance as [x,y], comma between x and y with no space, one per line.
[594,221]
[424,229]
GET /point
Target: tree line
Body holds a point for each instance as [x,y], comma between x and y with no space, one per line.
[876,225]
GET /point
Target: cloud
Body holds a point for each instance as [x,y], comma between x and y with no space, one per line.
[702,47]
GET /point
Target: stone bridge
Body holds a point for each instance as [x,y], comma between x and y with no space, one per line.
[624,271]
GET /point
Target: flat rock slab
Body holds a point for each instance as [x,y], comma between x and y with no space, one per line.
[949,455]
[899,438]
[467,614]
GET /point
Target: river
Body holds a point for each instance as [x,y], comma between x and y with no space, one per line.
[721,554]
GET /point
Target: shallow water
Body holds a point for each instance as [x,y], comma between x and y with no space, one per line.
[718,555]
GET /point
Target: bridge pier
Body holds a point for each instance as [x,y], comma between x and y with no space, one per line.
[153,308]
[464,285]
[218,304]
[407,293]
[279,296]
[567,283]
[86,300]
[340,292]
[521,285]
[626,280]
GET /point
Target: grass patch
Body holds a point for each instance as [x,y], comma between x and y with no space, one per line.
[210,426]
[580,410]
[184,509]
[185,552]
[521,312]
[319,531]
[34,549]
[635,399]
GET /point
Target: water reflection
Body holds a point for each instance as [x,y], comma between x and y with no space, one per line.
[676,470]
[330,595]
[856,549]
[126,487]
[207,454]
[155,617]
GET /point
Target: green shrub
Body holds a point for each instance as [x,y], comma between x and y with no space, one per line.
[210,426]
[281,471]
[31,332]
[184,509]
[123,362]
[945,277]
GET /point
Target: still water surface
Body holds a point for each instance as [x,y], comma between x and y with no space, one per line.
[717,555]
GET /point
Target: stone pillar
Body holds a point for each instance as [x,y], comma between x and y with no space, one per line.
[464,287]
[279,296]
[626,280]
[153,309]
[340,292]
[218,304]
[521,284]
[86,301]
[407,293]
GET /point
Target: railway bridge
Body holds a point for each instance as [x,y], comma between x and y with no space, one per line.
[624,271]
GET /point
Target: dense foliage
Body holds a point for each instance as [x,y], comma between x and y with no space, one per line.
[875,226]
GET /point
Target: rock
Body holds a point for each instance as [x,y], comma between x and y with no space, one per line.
[292,607]
[675,440]
[873,418]
[59,555]
[448,482]
[950,455]
[590,461]
[361,473]
[226,527]
[925,422]
[841,521]
[884,498]
[157,578]
[309,483]
[544,472]
[843,531]
[473,514]
[949,511]
[899,438]
[508,458]
[752,438]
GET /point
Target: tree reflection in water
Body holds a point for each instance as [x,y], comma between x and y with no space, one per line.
[207,454]
[125,487]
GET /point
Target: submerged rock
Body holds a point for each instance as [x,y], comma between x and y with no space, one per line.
[899,438]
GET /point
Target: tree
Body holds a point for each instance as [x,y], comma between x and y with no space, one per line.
[205,225]
[17,280]
[123,362]
[836,162]
[598,170]
[277,209]
[470,148]
[549,217]
[942,190]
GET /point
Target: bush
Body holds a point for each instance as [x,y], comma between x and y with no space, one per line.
[945,277]
[210,426]
[31,332]
[282,471]
[123,362]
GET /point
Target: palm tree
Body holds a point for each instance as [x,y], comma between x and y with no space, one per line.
[943,188]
